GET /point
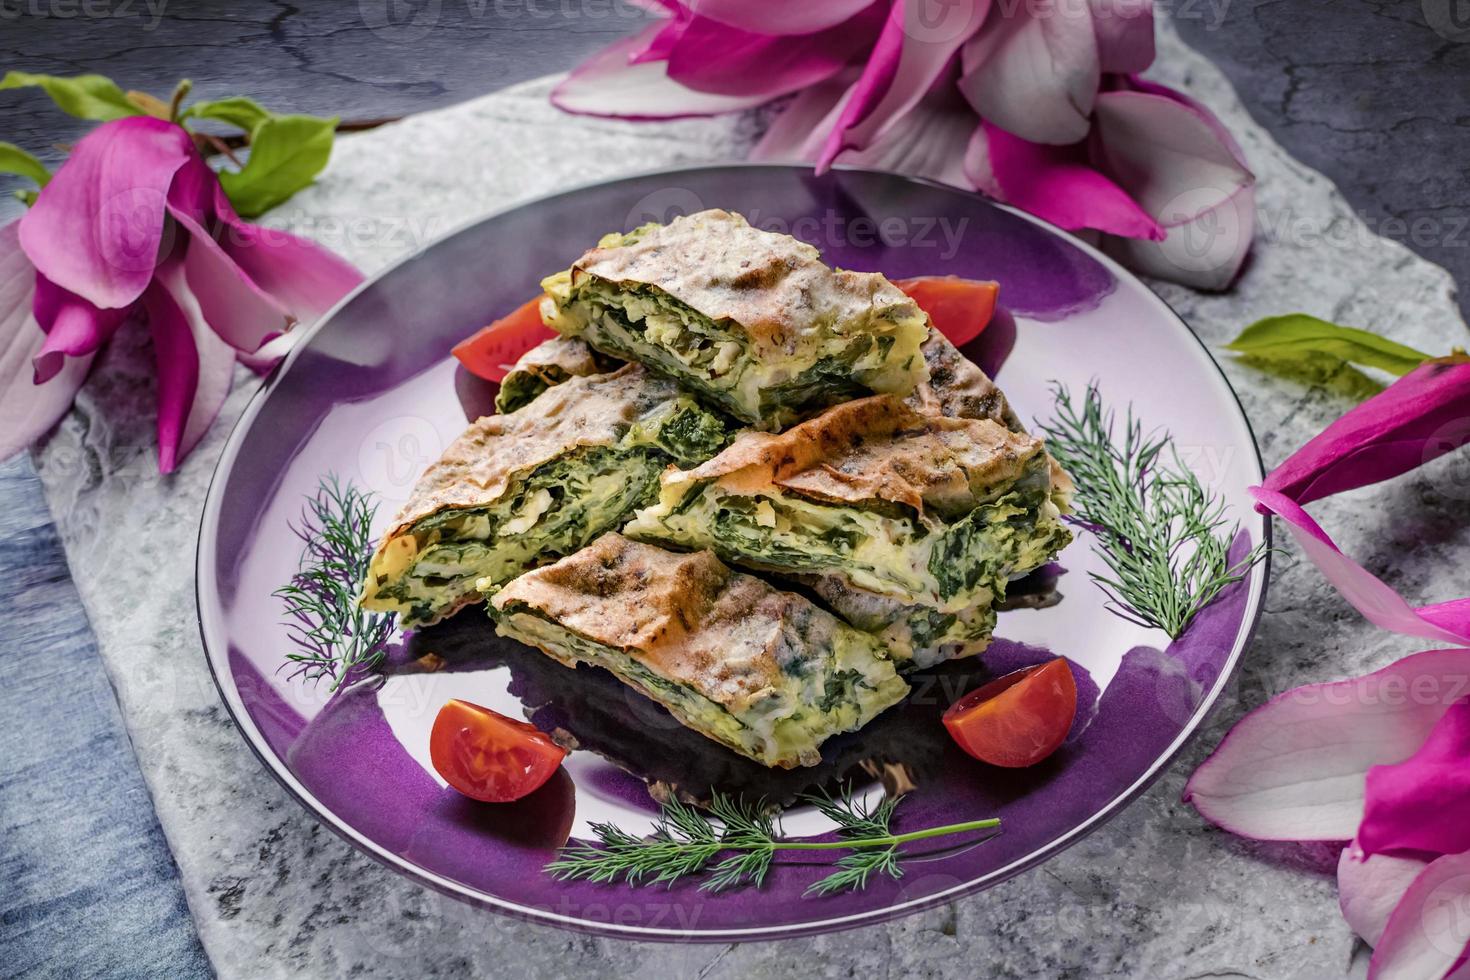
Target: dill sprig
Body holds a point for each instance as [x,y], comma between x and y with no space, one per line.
[1162,534]
[686,842]
[332,634]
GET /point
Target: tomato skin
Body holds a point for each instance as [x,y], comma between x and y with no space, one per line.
[1019,719]
[959,308]
[490,351]
[489,757]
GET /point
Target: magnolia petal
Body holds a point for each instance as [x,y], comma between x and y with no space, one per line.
[1167,156]
[27,410]
[1294,768]
[1379,604]
[1205,252]
[915,49]
[1033,70]
[708,56]
[73,327]
[1056,183]
[305,278]
[1419,417]
[239,311]
[1368,889]
[1423,803]
[607,84]
[797,133]
[194,366]
[1428,934]
[1125,34]
[927,141]
[778,16]
[1174,158]
[97,227]
[1453,615]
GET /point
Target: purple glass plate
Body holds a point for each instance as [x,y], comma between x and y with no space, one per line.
[371,394]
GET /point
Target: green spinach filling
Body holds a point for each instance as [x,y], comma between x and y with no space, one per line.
[885,549]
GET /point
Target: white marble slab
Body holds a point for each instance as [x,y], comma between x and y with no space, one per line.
[1155,893]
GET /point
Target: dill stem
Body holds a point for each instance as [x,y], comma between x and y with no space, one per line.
[886,841]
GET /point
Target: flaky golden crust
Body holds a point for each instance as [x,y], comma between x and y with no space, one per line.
[958,388]
[478,466]
[686,616]
[875,449]
[772,285]
[559,358]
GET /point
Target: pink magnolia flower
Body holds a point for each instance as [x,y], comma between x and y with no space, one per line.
[1035,102]
[135,227]
[1381,761]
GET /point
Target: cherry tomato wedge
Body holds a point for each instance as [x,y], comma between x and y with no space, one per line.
[959,308]
[490,351]
[1019,719]
[489,757]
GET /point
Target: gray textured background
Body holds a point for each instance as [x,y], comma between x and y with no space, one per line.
[1366,92]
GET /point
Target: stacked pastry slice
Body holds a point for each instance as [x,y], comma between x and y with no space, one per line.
[800,424]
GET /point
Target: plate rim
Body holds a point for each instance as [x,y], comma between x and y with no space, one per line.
[217,659]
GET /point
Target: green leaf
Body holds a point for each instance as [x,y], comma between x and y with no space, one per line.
[14,160]
[84,96]
[1297,337]
[286,152]
[238,111]
[1321,369]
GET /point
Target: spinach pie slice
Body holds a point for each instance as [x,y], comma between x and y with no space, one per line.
[546,365]
[750,319]
[908,524]
[764,672]
[518,490]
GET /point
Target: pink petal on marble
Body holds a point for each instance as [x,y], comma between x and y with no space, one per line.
[1125,34]
[1379,604]
[1033,70]
[73,327]
[778,16]
[1418,418]
[1368,889]
[27,410]
[1294,769]
[1423,803]
[608,84]
[914,51]
[97,227]
[1428,934]
[1057,183]
[193,365]
[1453,615]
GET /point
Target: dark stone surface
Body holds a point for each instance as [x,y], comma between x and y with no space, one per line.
[1366,92]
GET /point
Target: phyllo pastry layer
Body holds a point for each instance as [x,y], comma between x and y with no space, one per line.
[750,319]
[526,488]
[925,515]
[545,365]
[764,672]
